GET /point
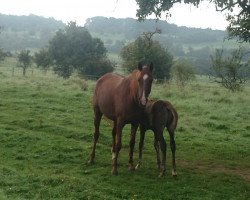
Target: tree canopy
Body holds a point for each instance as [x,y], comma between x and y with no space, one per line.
[43,59]
[238,13]
[73,48]
[144,48]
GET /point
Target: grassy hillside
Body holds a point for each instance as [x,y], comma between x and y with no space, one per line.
[22,32]
[46,126]
[193,44]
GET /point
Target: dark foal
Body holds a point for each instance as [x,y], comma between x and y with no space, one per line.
[157,116]
[122,100]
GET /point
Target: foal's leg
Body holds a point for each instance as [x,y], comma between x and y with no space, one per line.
[172,145]
[141,144]
[163,151]
[118,144]
[156,145]
[97,120]
[134,128]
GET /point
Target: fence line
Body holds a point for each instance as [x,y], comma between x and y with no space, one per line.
[13,71]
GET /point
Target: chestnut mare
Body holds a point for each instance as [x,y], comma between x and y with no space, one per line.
[122,100]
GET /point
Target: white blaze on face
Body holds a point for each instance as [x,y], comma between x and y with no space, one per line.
[145,76]
[143,99]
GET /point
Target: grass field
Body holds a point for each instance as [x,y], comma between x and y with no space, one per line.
[46,126]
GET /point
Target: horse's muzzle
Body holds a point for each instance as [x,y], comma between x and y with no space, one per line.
[143,101]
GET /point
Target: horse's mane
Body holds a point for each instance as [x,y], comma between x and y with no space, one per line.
[132,82]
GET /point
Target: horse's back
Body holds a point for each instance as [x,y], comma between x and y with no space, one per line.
[107,79]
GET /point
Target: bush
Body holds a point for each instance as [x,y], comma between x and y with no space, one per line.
[230,72]
[74,49]
[80,82]
[183,72]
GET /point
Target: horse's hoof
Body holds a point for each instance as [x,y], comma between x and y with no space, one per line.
[174,173]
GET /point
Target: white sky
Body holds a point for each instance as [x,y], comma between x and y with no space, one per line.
[79,10]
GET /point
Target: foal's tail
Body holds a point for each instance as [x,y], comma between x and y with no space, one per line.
[174,121]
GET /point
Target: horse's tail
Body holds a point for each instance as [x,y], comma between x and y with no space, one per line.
[173,123]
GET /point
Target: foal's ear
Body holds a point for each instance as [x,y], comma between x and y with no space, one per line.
[140,66]
[151,66]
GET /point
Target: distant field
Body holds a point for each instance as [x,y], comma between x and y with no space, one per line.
[46,126]
[226,44]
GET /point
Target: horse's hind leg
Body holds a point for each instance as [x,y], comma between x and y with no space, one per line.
[156,145]
[163,147]
[118,144]
[134,128]
[113,139]
[172,145]
[97,120]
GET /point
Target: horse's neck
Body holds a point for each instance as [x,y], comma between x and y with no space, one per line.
[133,86]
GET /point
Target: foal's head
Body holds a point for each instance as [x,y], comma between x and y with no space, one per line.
[145,80]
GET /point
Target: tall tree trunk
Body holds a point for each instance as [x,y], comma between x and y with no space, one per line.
[24,71]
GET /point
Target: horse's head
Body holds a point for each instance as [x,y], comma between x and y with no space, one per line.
[145,79]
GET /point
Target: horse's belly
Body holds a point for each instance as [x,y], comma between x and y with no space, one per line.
[106,105]
[108,112]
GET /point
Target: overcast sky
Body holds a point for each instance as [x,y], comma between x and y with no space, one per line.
[79,10]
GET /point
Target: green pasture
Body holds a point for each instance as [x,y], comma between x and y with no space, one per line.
[46,127]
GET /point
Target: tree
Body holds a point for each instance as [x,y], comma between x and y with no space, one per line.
[144,48]
[24,59]
[183,72]
[2,55]
[230,72]
[43,59]
[238,13]
[97,68]
[74,49]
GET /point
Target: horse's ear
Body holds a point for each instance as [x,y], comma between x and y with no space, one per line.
[151,66]
[140,66]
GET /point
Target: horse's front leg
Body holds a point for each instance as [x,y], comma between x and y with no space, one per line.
[118,144]
[134,128]
[141,144]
